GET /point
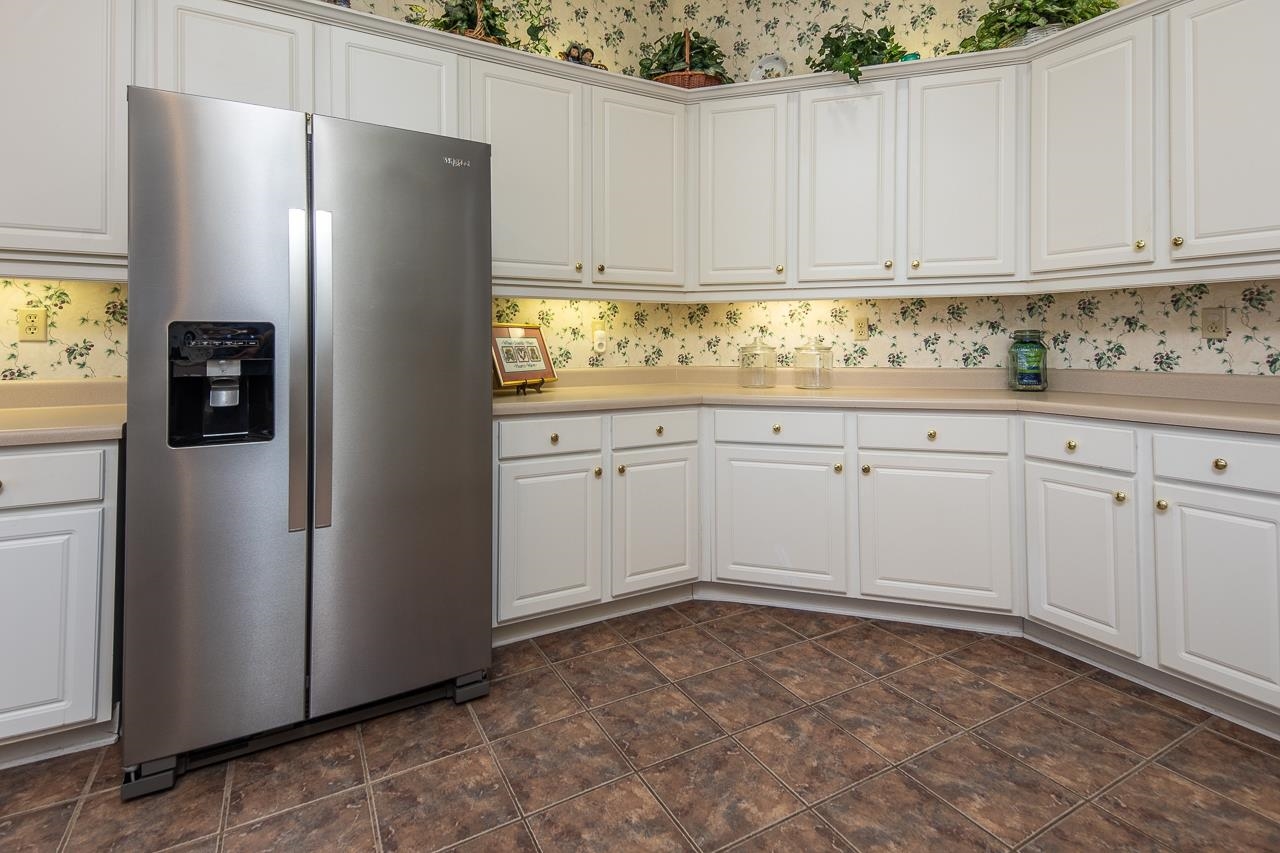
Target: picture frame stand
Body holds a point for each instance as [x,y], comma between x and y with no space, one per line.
[525,385]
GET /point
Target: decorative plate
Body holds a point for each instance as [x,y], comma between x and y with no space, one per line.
[770,66]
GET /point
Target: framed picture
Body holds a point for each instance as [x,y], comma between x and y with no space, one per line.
[520,355]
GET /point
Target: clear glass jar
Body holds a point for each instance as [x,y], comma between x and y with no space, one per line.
[813,365]
[757,365]
[1028,361]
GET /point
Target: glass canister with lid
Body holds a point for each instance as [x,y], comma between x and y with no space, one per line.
[1028,361]
[813,365]
[757,365]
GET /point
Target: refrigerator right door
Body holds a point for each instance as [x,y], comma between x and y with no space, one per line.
[401,559]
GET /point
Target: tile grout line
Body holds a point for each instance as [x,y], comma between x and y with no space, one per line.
[368,789]
[487,743]
[85,789]
[228,781]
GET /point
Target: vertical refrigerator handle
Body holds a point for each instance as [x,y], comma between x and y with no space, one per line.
[298,364]
[324,368]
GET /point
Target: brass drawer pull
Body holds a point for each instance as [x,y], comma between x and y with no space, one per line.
[915,265]
[1121,497]
[1140,245]
[622,469]
[659,430]
[888,264]
[778,269]
[555,438]
[577,267]
[1219,464]
[932,435]
[866,469]
[839,467]
[1162,505]
[598,472]
[1071,446]
[1178,241]
[777,428]
[599,267]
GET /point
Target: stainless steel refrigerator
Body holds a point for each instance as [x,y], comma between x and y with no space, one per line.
[308,449]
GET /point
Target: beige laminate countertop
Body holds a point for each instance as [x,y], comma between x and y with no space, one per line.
[60,424]
[1169,411]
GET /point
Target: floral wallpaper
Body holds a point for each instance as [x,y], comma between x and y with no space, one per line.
[87,325]
[746,30]
[1152,329]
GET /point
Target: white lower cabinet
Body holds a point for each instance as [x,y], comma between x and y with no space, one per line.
[550,549]
[781,517]
[1082,553]
[934,528]
[655,518]
[1218,587]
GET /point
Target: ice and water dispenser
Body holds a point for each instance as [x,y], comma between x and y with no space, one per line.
[221,383]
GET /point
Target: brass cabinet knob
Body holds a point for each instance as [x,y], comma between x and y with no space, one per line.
[622,469]
[1177,241]
[1121,497]
[1162,505]
[888,264]
[932,435]
[599,267]
[1071,445]
[555,438]
[915,265]
[777,428]
[1219,464]
[659,430]
[578,266]
[866,469]
[778,269]
[839,467]
[598,472]
[1140,245]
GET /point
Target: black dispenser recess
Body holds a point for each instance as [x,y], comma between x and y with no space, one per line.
[221,383]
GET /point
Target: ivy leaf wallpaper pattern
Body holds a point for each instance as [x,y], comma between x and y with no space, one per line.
[87,324]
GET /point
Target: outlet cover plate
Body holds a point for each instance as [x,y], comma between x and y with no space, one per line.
[1213,324]
[33,324]
[861,328]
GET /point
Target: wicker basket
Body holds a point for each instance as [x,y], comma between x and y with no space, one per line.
[479,32]
[688,79]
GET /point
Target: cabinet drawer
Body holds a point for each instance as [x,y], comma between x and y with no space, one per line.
[545,436]
[1082,444]
[1219,461]
[823,429]
[35,479]
[953,433]
[653,428]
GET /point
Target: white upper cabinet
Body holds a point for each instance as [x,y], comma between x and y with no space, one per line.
[384,81]
[743,219]
[637,189]
[534,123]
[64,145]
[226,50]
[1092,186]
[847,182]
[1224,128]
[962,166]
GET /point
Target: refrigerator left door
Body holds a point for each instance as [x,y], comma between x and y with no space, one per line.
[215,581]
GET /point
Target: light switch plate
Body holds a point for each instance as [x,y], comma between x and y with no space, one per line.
[33,324]
[1213,324]
[861,328]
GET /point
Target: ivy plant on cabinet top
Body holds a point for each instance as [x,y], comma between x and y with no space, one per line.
[1006,21]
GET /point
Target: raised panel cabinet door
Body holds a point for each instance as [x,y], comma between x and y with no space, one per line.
[550,551]
[534,124]
[50,564]
[1218,589]
[63,150]
[1092,185]
[743,217]
[962,173]
[393,83]
[1223,129]
[1082,553]
[234,52]
[637,189]
[847,182]
[655,518]
[780,517]
[936,528]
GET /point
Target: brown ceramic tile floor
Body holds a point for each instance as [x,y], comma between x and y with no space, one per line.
[710,726]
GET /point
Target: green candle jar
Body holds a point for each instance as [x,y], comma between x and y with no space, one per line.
[1028,361]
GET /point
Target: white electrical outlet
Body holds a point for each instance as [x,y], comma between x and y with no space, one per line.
[33,324]
[599,341]
[1213,324]
[861,327]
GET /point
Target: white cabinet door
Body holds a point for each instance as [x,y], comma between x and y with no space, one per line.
[384,81]
[637,189]
[534,123]
[227,50]
[847,182]
[1218,588]
[962,170]
[935,528]
[655,518]
[1082,553]
[743,220]
[49,570]
[550,553]
[1092,186]
[1224,129]
[63,150]
[780,517]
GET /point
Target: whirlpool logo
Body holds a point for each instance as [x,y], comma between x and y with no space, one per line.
[457,162]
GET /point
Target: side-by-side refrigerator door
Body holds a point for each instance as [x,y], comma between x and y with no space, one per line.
[216,476]
[401,568]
